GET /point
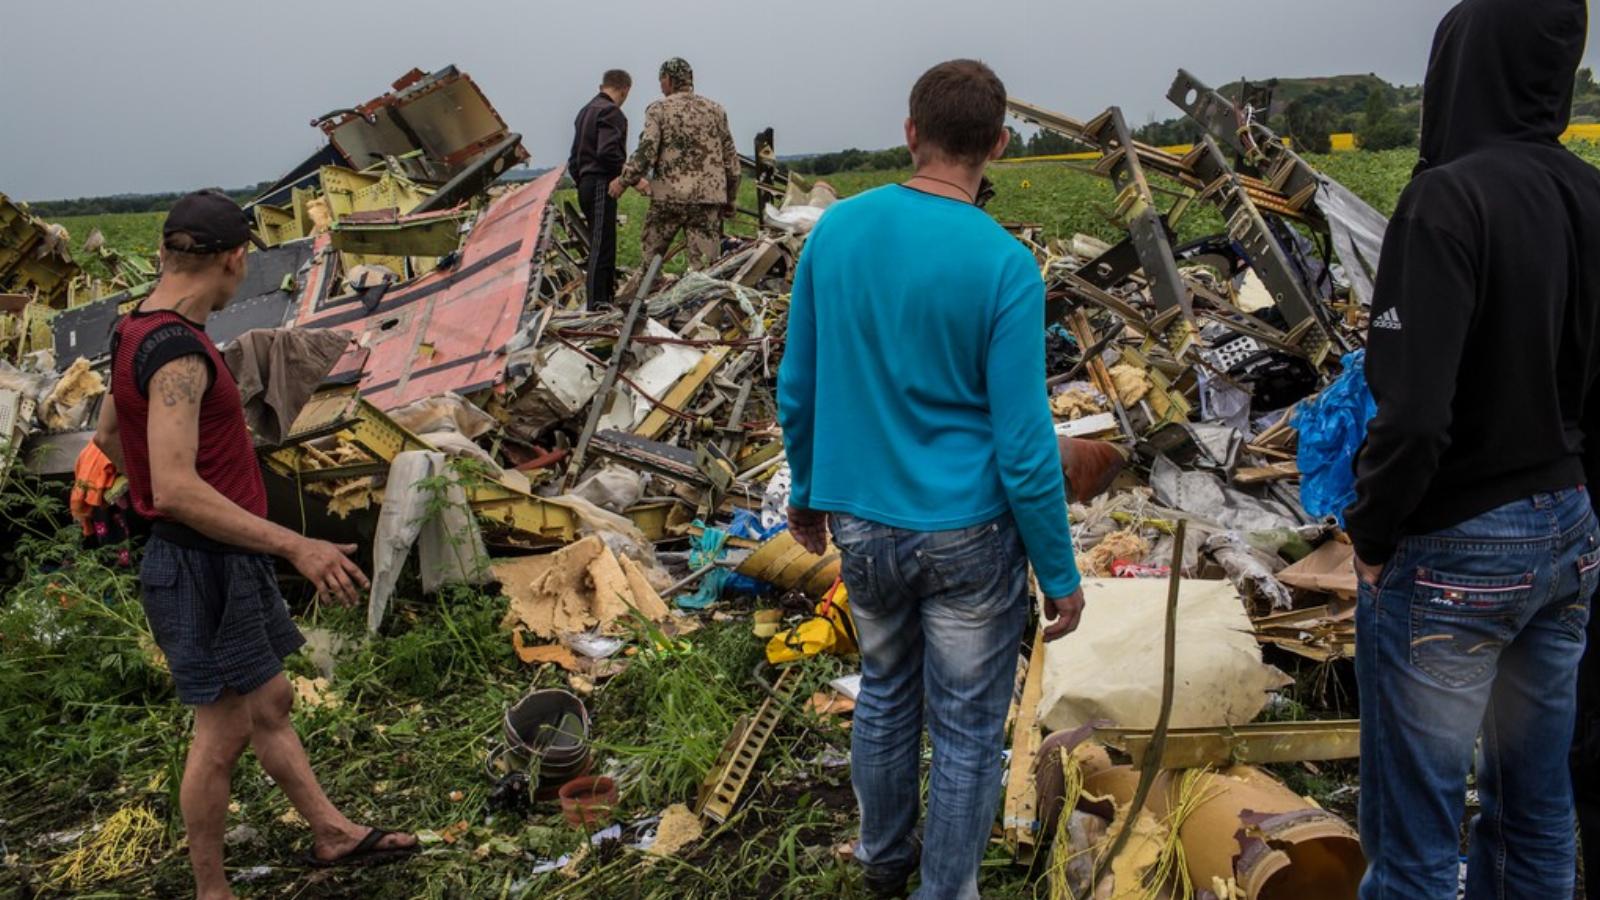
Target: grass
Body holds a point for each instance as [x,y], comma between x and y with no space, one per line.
[1061,197]
[91,733]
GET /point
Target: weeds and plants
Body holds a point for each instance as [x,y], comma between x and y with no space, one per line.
[90,729]
[680,700]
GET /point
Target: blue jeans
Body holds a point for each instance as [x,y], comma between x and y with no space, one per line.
[940,618]
[1475,629]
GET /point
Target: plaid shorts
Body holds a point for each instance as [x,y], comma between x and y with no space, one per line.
[218,617]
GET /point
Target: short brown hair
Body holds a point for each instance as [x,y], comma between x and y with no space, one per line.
[179,257]
[959,109]
[616,79]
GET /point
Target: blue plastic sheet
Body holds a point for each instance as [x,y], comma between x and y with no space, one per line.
[706,549]
[1332,426]
[711,546]
[747,524]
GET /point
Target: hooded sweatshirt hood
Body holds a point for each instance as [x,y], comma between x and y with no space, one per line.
[1484,347]
[1501,70]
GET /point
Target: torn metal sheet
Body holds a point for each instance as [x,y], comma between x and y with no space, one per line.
[444,114]
[444,331]
[1257,743]
[264,299]
[476,176]
[658,369]
[1357,231]
[387,233]
[1248,828]
[659,419]
[35,258]
[563,381]
[667,460]
[783,562]
[302,175]
[375,440]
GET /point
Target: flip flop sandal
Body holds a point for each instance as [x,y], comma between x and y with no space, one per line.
[366,853]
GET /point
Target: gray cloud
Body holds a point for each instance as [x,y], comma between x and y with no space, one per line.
[108,97]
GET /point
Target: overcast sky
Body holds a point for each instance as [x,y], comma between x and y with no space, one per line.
[158,95]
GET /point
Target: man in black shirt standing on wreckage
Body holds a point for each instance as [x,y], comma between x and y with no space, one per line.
[599,150]
[1477,550]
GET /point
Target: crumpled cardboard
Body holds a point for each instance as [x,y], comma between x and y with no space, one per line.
[539,654]
[1110,668]
[678,829]
[67,405]
[580,587]
[1329,569]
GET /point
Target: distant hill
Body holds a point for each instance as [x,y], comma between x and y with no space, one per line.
[126,203]
[1336,103]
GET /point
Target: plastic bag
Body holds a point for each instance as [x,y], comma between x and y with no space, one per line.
[1332,427]
[832,631]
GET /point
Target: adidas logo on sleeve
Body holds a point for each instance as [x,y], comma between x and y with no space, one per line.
[1389,320]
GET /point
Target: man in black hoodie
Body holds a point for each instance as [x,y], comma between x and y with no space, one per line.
[1477,548]
[599,149]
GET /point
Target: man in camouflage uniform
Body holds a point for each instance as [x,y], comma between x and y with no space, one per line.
[687,145]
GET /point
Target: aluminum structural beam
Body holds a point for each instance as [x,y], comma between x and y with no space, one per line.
[1248,228]
[1137,210]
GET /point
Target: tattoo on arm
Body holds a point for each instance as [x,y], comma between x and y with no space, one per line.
[182,381]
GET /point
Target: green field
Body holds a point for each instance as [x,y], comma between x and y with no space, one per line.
[1061,197]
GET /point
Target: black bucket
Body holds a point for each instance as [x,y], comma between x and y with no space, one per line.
[550,729]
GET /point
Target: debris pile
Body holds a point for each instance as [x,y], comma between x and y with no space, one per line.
[1208,360]
[611,468]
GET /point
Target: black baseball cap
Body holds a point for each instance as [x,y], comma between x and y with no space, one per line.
[212,221]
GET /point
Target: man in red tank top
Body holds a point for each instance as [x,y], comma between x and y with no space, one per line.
[207,582]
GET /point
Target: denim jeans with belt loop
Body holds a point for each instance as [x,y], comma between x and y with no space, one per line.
[940,617]
[1475,630]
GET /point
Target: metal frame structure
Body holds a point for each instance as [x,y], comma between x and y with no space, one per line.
[1274,186]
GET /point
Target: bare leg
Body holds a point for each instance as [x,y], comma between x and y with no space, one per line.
[281,754]
[221,731]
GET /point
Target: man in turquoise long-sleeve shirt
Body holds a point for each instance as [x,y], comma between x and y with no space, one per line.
[917,424]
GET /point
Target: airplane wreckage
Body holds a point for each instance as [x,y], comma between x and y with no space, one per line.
[418,320]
